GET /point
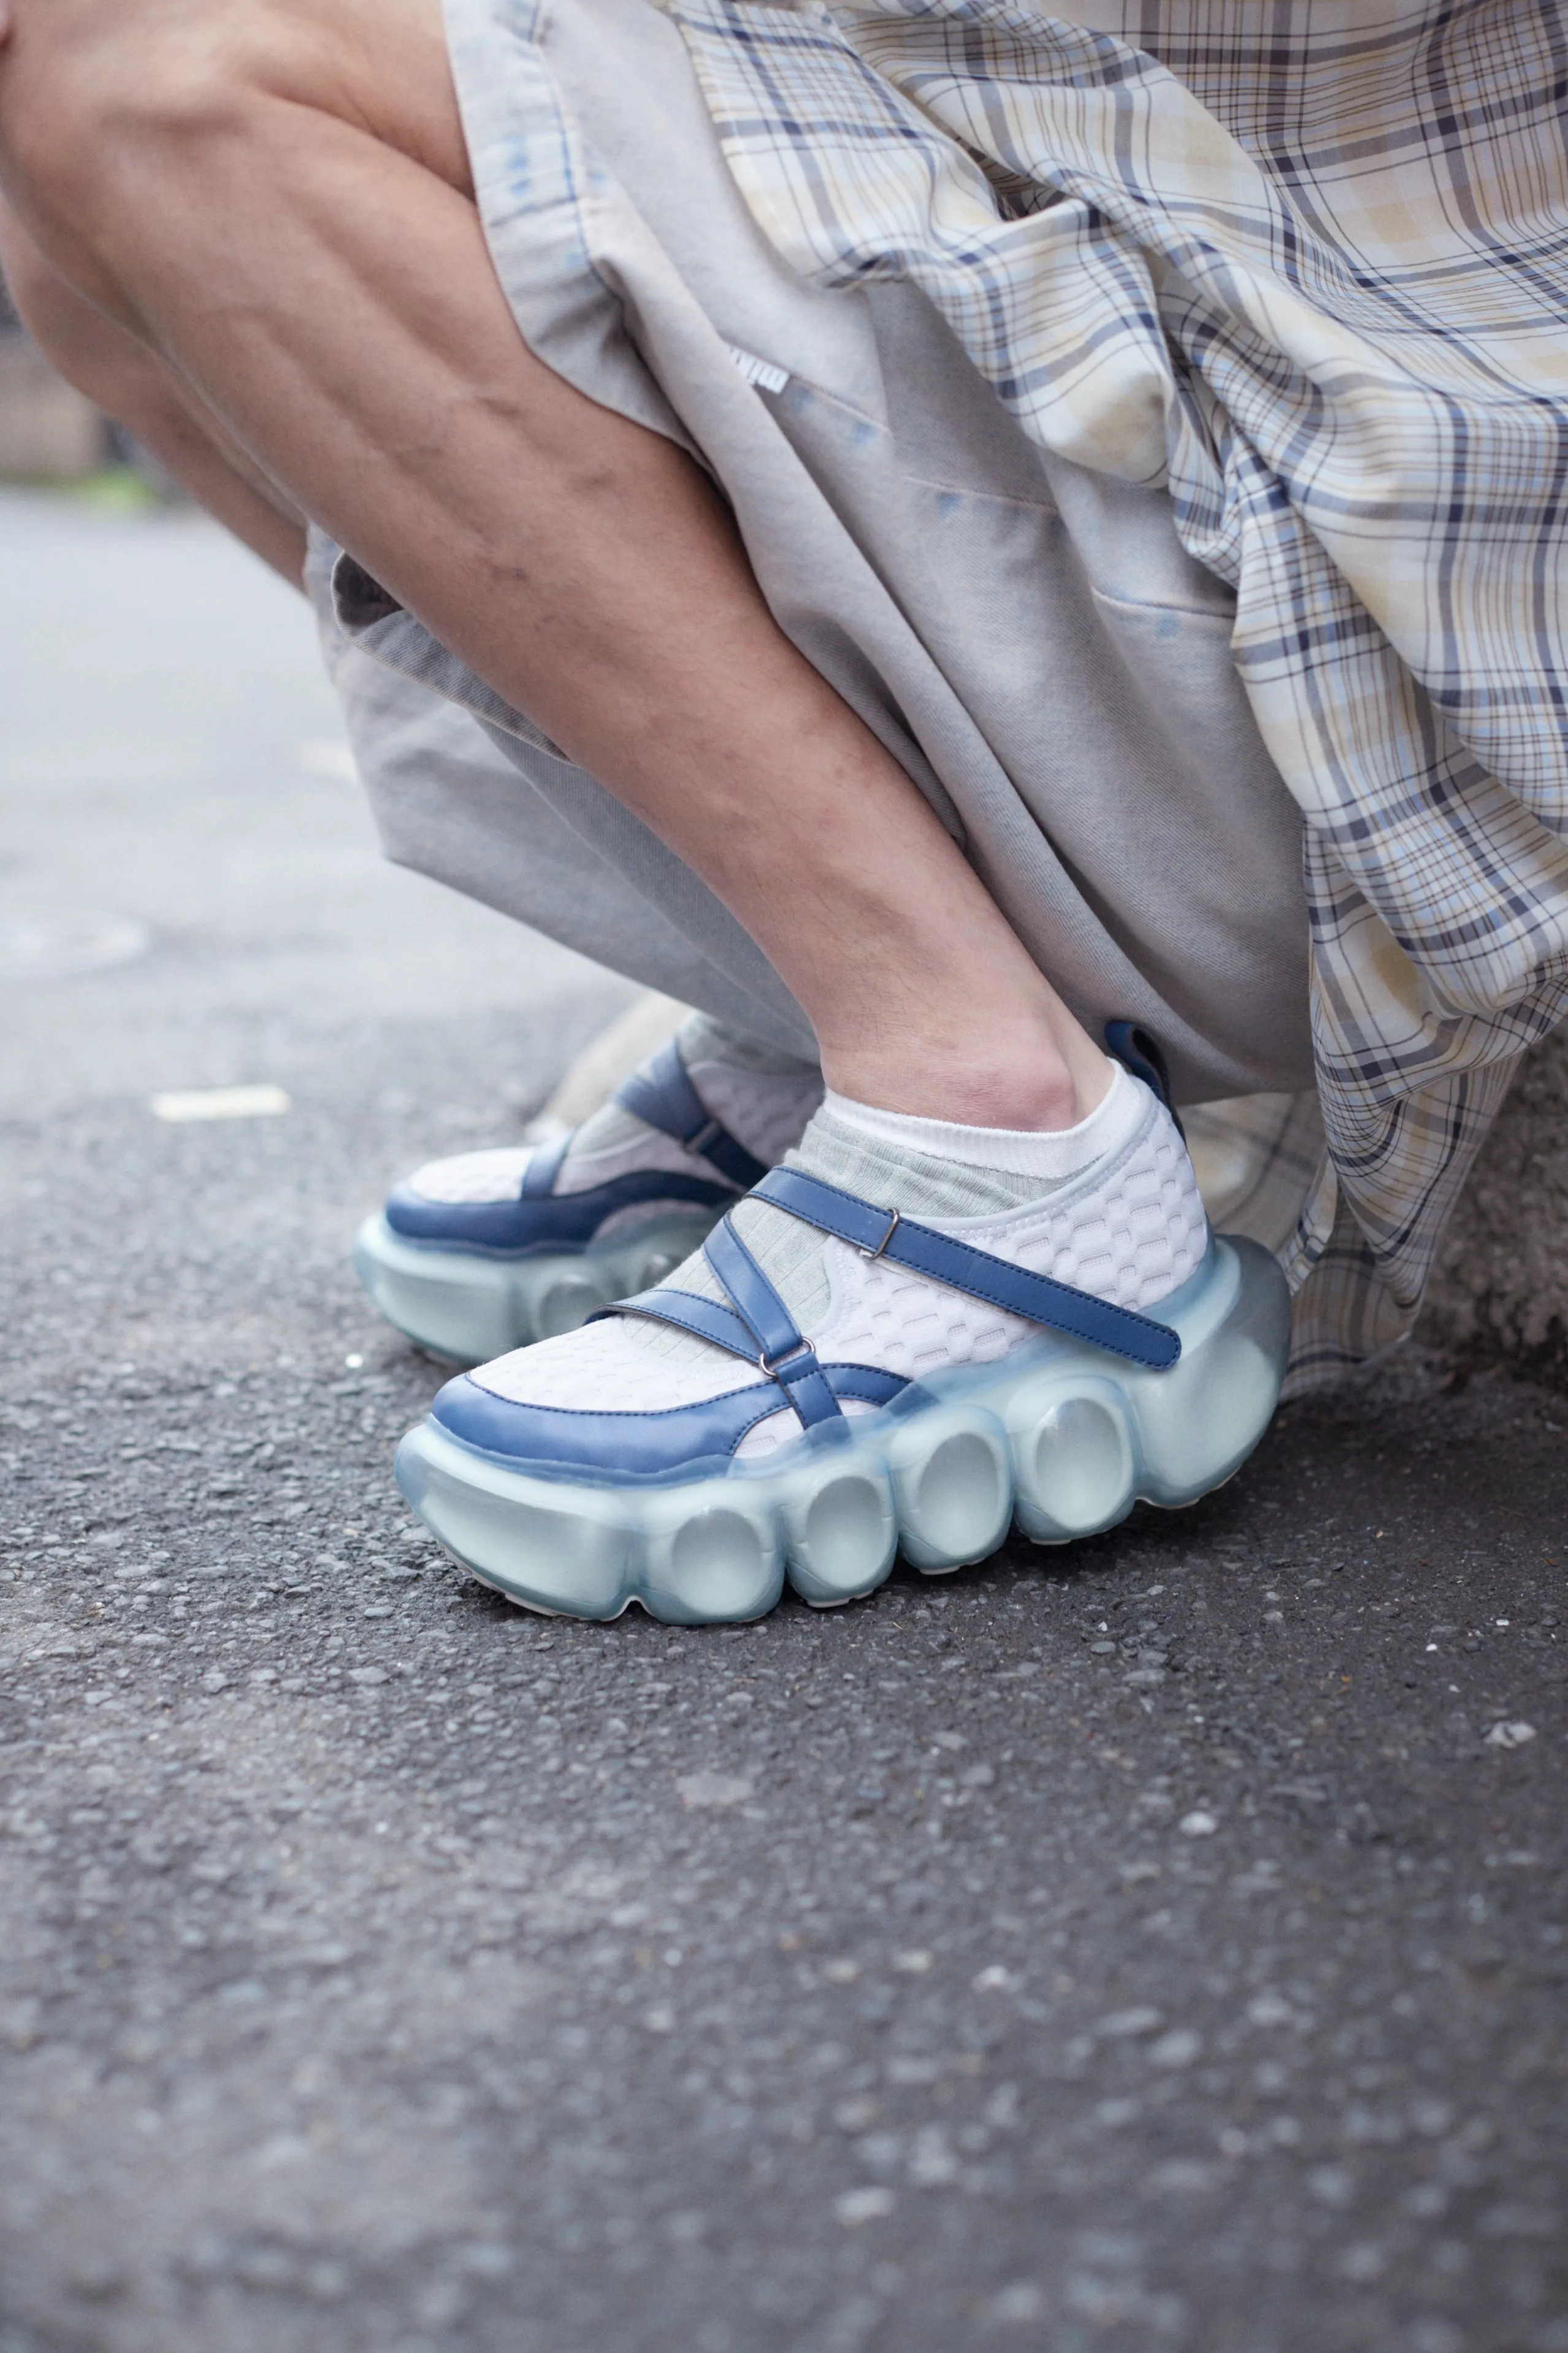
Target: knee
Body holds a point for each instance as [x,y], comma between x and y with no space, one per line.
[103,102]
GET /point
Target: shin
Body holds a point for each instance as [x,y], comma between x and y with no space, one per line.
[276,199]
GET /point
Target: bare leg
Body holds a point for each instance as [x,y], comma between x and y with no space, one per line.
[274,196]
[134,388]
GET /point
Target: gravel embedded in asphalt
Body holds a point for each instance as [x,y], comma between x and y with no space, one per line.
[1156,1943]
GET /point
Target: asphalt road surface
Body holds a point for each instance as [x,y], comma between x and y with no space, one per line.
[1158,1946]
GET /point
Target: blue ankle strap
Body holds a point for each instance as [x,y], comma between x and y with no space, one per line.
[663,1095]
[883,1233]
[758,1327]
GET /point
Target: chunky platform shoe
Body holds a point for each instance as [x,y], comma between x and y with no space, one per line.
[481,1253]
[695,1448]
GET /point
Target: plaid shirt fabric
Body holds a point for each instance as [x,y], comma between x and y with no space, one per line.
[1306,266]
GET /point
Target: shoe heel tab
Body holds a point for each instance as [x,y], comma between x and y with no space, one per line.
[1141,1054]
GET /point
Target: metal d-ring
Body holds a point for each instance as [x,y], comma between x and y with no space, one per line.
[894,1221]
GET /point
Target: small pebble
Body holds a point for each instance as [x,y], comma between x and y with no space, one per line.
[1121,2023]
[857,2206]
[1177,2049]
[1020,2303]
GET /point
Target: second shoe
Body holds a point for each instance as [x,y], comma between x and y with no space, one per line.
[487,1251]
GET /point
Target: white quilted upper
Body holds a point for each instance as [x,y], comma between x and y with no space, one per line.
[1131,1234]
[474,1176]
[608,1369]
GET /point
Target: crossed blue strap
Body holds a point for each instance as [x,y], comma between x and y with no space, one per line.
[543,1169]
[757,1326]
[663,1095]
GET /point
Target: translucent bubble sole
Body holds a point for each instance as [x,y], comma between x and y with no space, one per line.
[467,1306]
[1060,1440]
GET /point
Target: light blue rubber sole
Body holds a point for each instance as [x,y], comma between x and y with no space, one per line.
[468,1306]
[1060,1439]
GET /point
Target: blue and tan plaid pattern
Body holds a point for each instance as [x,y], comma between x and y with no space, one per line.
[1307,267]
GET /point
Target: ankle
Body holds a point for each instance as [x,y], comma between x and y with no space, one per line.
[1041,1095]
[1039,1159]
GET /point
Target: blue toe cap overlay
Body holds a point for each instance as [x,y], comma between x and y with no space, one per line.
[536,1222]
[618,1447]
[538,1219]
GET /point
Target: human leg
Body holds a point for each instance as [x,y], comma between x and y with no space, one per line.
[131,385]
[583,566]
[461,1258]
[618,567]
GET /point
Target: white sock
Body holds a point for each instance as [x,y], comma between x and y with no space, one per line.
[1053,1156]
[763,1095]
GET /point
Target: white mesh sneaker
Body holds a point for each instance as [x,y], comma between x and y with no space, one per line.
[836,1377]
[484,1252]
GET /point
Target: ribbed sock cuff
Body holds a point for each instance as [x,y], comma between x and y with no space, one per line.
[1053,1157]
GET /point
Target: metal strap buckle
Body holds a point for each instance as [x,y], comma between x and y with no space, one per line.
[769,1365]
[894,1221]
[701,1137]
